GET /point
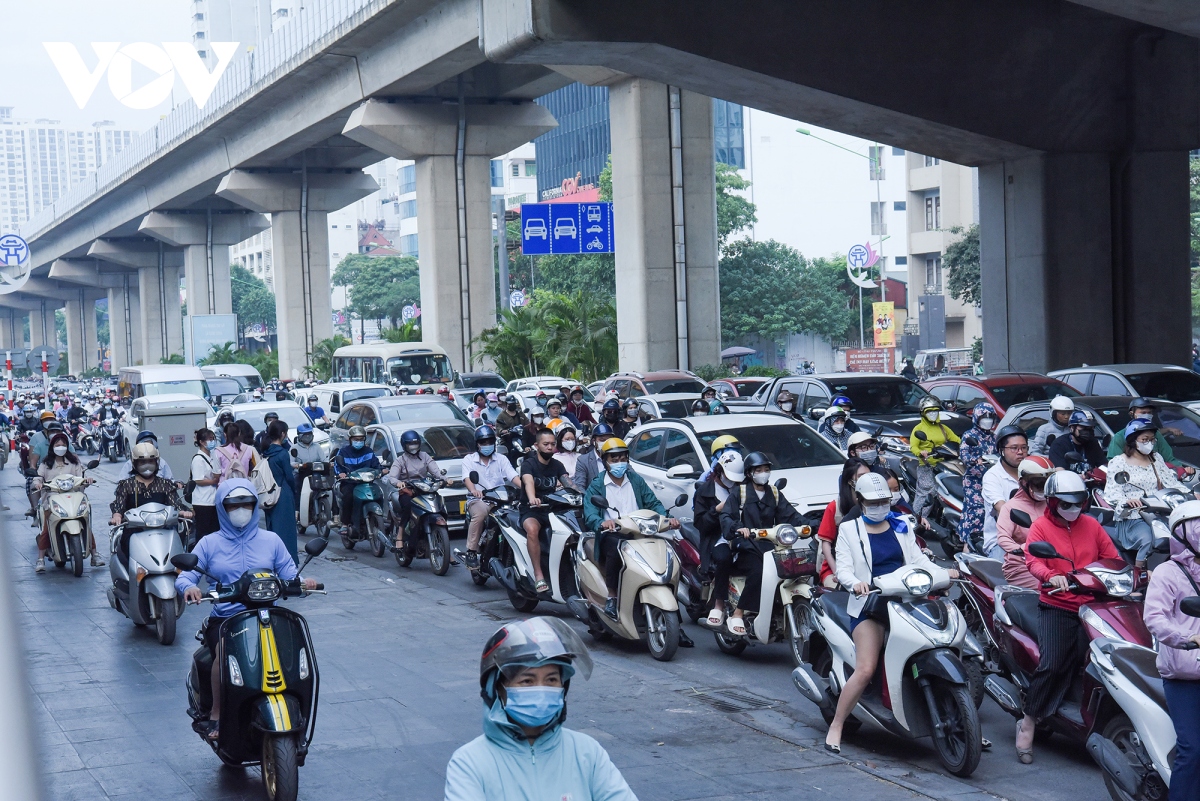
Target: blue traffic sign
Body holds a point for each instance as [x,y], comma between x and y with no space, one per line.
[566,228]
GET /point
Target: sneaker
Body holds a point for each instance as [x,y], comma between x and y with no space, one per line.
[39,566]
[96,560]
[610,608]
[472,560]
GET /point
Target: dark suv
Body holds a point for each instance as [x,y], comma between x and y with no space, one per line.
[1002,390]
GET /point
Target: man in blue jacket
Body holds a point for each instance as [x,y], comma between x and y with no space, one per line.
[354,456]
[524,751]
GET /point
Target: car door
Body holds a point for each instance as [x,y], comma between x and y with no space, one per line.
[1105,384]
[645,454]
[679,452]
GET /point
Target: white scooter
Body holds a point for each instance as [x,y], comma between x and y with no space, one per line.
[316,497]
[143,578]
[514,569]
[928,692]
[67,516]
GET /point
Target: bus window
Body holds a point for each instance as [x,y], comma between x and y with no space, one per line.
[420,369]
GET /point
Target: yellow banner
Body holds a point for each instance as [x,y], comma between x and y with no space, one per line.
[884,315]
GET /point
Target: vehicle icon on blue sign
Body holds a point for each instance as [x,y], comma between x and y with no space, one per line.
[564,226]
[535,228]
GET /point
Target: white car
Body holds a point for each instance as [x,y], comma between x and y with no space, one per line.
[672,454]
[289,412]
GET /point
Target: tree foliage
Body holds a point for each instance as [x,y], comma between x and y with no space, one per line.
[379,286]
[961,262]
[320,364]
[252,301]
[734,212]
[408,332]
[573,335]
[266,362]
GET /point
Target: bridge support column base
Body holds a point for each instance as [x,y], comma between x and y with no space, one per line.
[124,321]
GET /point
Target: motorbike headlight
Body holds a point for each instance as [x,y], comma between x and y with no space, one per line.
[57,508]
[935,635]
[787,535]
[154,519]
[1089,616]
[64,483]
[1160,529]
[649,528]
[235,672]
[263,589]
[918,582]
[1118,583]
[304,671]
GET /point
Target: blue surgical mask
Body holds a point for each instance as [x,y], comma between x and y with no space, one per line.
[358,444]
[211,444]
[618,469]
[534,706]
[487,450]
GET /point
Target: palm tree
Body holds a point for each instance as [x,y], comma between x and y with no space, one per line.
[516,342]
[321,361]
[582,341]
[222,354]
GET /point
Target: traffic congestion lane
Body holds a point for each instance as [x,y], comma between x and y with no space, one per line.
[398,651]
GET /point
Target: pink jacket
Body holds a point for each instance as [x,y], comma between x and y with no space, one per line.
[1011,538]
[1168,586]
[226,455]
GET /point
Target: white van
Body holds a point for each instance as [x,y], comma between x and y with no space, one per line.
[244,374]
[162,379]
[410,364]
[332,397]
[174,419]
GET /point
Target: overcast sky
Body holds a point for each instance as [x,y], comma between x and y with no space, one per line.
[29,81]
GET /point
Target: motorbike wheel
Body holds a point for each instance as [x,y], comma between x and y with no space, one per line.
[348,543]
[280,769]
[404,557]
[164,626]
[1120,732]
[665,642]
[974,672]
[479,577]
[76,547]
[439,550]
[729,644]
[521,603]
[375,536]
[958,743]
[112,455]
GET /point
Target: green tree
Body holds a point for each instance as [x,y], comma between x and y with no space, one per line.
[379,286]
[174,358]
[961,260]
[222,354]
[581,334]
[409,332]
[252,301]
[734,212]
[514,343]
[320,363]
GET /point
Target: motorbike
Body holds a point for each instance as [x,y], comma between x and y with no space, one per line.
[695,588]
[646,604]
[316,497]
[501,502]
[946,502]
[67,516]
[788,570]
[513,568]
[143,581]
[269,677]
[1135,743]
[84,437]
[427,534]
[110,439]
[5,445]
[921,688]
[366,520]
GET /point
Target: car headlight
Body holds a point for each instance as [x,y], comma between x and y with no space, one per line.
[154,519]
[1118,583]
[263,589]
[1088,616]
[918,582]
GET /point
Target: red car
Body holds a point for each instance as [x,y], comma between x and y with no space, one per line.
[999,389]
[739,387]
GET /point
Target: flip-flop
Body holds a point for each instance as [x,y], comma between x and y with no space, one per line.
[736,623]
[542,587]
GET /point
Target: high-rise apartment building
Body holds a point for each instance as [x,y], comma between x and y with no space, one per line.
[247,22]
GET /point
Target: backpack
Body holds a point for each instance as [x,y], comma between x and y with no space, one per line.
[264,484]
[190,487]
[234,469]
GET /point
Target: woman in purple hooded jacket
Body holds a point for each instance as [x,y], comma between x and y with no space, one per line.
[1180,669]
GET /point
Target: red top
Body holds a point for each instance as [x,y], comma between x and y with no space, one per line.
[1084,542]
[827,532]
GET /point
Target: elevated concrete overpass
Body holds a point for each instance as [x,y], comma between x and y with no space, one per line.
[1079,115]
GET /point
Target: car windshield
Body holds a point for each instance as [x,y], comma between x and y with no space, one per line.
[197,388]
[1181,426]
[448,442]
[674,385]
[485,381]
[1179,386]
[414,412]
[679,408]
[1012,394]
[359,394]
[746,387]
[787,446]
[223,386]
[292,415]
[885,397]
[420,369]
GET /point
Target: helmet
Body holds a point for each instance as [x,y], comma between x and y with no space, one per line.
[631,404]
[733,466]
[1082,418]
[841,400]
[1137,426]
[602,430]
[54,425]
[512,401]
[873,487]
[786,396]
[577,388]
[540,394]
[46,415]
[147,436]
[445,390]
[409,437]
[357,431]
[722,442]
[930,403]
[485,433]
[531,643]
[554,424]
[270,416]
[491,396]
[700,406]
[313,399]
[555,401]
[1009,431]
[1140,403]
[1061,403]
[836,411]
[143,450]
[858,438]
[304,428]
[1034,467]
[1190,510]
[757,459]
[611,403]
[614,445]
[1066,486]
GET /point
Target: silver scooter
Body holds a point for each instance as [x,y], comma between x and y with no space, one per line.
[143,587]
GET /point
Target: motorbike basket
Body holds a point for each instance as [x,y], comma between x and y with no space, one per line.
[321,481]
[795,563]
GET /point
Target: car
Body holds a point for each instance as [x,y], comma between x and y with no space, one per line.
[546,383]
[565,226]
[596,387]
[595,229]
[447,442]
[881,402]
[394,409]
[535,229]
[960,393]
[667,404]
[672,454]
[224,389]
[1160,381]
[332,397]
[289,412]
[739,387]
[485,380]
[634,385]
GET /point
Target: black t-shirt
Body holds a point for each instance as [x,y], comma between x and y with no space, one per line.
[545,476]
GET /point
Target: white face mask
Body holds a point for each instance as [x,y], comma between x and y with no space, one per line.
[1037,496]
[240,517]
[60,450]
[1145,448]
[987,423]
[762,477]
[876,512]
[897,497]
[147,470]
[1144,416]
[838,427]
[1070,515]
[787,407]
[932,416]
[568,445]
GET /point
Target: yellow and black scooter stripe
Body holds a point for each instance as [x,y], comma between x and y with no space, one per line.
[273,682]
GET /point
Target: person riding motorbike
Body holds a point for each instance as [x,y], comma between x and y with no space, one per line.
[491,409]
[578,407]
[700,408]
[554,411]
[566,447]
[511,416]
[39,440]
[723,443]
[1082,441]
[314,411]
[842,402]
[237,546]
[305,450]
[833,428]
[164,469]
[862,445]
[999,483]
[60,461]
[1061,409]
[610,412]
[715,406]
[936,434]
[836,511]
[146,485]
[524,676]
[753,504]
[588,465]
[493,471]
[1144,409]
[262,440]
[707,503]
[630,418]
[978,443]
[626,492]
[29,422]
[355,455]
[1032,473]
[411,463]
[1060,636]
[478,404]
[541,474]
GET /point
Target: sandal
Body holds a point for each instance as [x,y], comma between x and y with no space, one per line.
[542,587]
[209,730]
[1024,755]
[737,627]
[716,617]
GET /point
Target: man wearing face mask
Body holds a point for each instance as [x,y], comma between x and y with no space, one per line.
[164,469]
[978,444]
[1061,408]
[315,413]
[354,456]
[934,433]
[786,400]
[305,451]
[1086,451]
[588,465]
[146,485]
[411,463]
[999,483]
[1060,635]
[1143,409]
[610,412]
[491,471]
[578,408]
[833,428]
[754,504]
[525,752]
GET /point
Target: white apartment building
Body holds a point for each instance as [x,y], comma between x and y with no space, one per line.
[247,22]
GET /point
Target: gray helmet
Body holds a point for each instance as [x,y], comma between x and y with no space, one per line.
[357,431]
[531,643]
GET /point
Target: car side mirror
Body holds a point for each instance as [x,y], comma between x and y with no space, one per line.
[188,561]
[1190,606]
[948,405]
[1042,550]
[780,483]
[313,547]
[816,413]
[681,471]
[92,465]
[681,500]
[1020,517]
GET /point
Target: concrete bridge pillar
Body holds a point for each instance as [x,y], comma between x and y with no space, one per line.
[82,342]
[12,336]
[299,203]
[665,226]
[124,321]
[161,316]
[42,333]
[458,279]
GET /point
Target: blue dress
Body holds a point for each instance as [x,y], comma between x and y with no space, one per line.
[886,557]
[972,457]
[281,518]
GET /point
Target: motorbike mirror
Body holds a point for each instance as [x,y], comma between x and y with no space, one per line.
[1020,517]
[187,561]
[1073,456]
[313,547]
[816,413]
[780,483]
[92,465]
[1042,550]
[600,502]
[681,500]
[920,435]
[1121,477]
[474,476]
[1190,606]
[970,440]
[948,405]
[1050,439]
[1105,441]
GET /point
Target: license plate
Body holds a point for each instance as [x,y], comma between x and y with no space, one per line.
[462,508]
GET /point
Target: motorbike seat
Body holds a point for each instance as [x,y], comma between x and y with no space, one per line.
[991,571]
[1022,609]
[511,518]
[834,604]
[954,484]
[1140,667]
[690,534]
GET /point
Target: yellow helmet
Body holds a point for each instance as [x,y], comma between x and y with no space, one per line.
[46,415]
[614,445]
[722,442]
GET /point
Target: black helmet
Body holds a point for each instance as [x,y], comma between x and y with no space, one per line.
[631,404]
[512,401]
[1009,431]
[700,406]
[755,460]
[484,434]
[1140,403]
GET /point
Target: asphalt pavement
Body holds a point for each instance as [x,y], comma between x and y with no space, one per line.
[398,650]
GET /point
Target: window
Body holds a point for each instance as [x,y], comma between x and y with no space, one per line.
[516,169]
[408,209]
[680,451]
[875,154]
[897,151]
[968,396]
[620,386]
[943,392]
[902,261]
[933,275]
[199,35]
[933,212]
[497,167]
[531,169]
[408,245]
[930,161]
[817,397]
[378,443]
[199,17]
[350,418]
[878,223]
[1105,384]
[647,448]
[729,134]
[368,415]
[1078,381]
[408,179]
[900,205]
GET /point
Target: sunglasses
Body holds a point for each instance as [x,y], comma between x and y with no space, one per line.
[1064,505]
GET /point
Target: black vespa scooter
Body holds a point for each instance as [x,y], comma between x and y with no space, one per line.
[269,678]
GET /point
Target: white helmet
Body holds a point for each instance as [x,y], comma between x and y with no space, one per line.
[858,438]
[1183,513]
[144,450]
[733,466]
[1062,403]
[1067,486]
[873,487]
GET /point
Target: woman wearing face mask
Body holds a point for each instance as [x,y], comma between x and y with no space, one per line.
[144,486]
[1147,473]
[1175,631]
[753,504]
[1063,643]
[1032,473]
[835,512]
[281,518]
[936,434]
[863,446]
[833,427]
[235,459]
[59,461]
[875,544]
[409,464]
[205,477]
[566,443]
[978,443]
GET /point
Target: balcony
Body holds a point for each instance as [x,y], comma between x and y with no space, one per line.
[922,178]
